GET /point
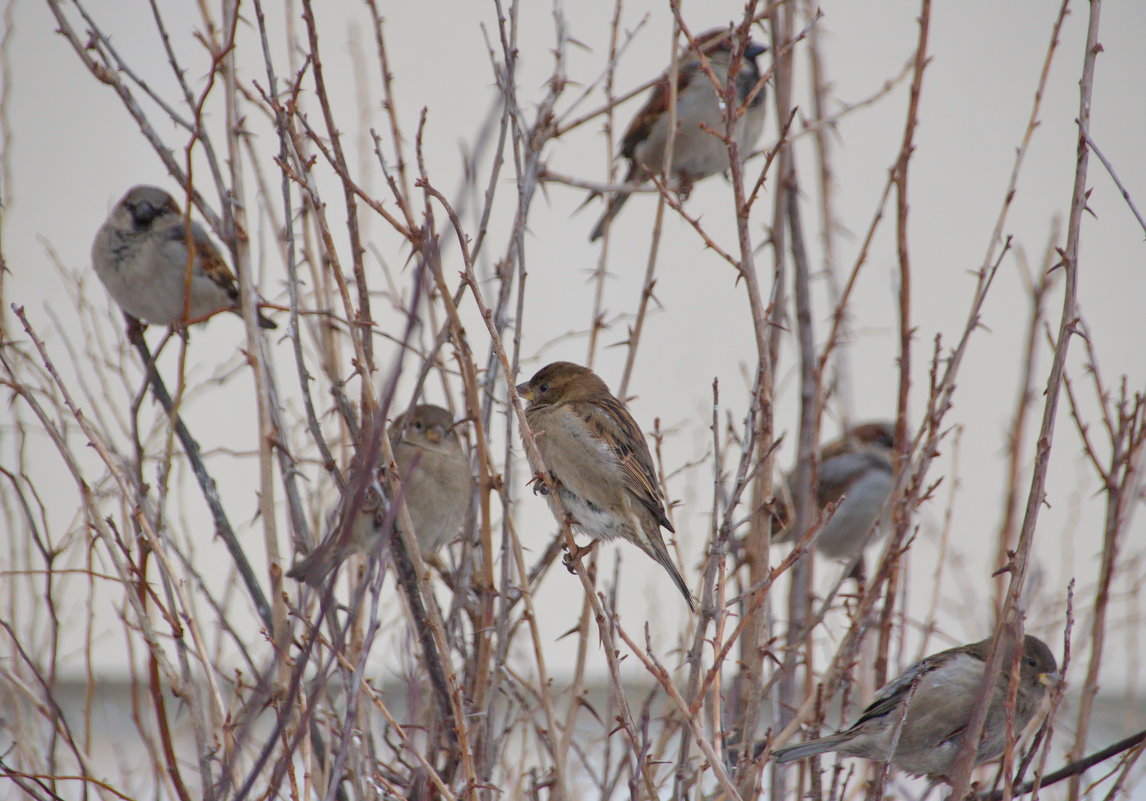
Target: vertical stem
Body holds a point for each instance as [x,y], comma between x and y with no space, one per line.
[961,772]
[783,696]
[1017,435]
[840,383]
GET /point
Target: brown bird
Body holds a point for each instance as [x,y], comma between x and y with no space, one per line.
[946,688]
[435,473]
[141,253]
[698,149]
[855,474]
[599,461]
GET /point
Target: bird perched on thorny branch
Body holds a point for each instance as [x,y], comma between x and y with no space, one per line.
[854,481]
[943,689]
[698,148]
[436,481]
[160,268]
[598,459]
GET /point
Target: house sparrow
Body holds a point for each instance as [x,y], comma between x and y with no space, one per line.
[598,460]
[946,687]
[856,474]
[697,152]
[140,253]
[435,473]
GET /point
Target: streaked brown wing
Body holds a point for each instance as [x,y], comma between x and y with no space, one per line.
[210,260]
[656,105]
[610,421]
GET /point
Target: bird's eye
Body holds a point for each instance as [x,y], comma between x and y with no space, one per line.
[417,425]
[543,388]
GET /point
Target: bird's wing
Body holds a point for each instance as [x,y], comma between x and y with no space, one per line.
[207,256]
[951,691]
[888,698]
[838,472]
[947,680]
[211,260]
[611,422]
[656,105]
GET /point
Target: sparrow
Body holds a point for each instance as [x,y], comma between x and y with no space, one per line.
[435,474]
[855,475]
[946,687]
[140,254]
[598,460]
[697,152]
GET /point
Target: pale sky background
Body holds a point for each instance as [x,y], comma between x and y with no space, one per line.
[74,151]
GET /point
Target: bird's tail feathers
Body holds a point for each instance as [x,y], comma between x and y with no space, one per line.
[611,210]
[313,568]
[264,321]
[678,580]
[811,748]
[655,547]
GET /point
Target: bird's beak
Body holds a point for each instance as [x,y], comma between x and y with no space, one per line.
[754,51]
[1050,679]
[524,391]
[435,434]
[144,213]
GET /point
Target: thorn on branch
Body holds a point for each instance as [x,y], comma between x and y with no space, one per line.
[1009,567]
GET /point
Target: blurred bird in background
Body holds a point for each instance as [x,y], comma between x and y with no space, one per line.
[436,482]
[855,477]
[696,152]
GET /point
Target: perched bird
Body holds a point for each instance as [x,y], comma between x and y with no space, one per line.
[598,460]
[855,474]
[141,255]
[697,152]
[435,474]
[946,688]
